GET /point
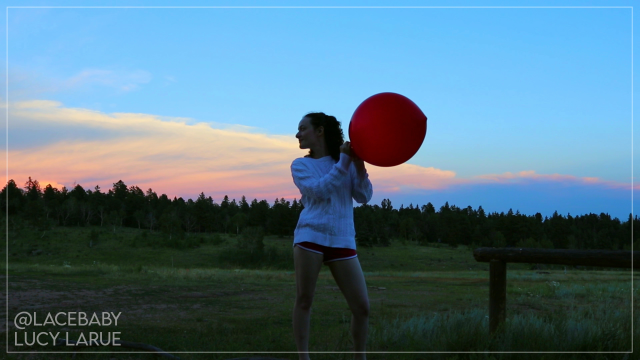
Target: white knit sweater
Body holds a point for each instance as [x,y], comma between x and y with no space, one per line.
[327,189]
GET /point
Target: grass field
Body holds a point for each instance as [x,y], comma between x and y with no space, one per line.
[202,295]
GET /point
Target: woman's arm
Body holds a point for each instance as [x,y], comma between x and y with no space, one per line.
[361,187]
[319,188]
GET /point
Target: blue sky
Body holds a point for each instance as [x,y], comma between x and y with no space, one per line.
[506,91]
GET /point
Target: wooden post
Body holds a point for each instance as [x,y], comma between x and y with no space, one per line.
[497,294]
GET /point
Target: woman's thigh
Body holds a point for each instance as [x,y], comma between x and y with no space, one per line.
[307,265]
[350,279]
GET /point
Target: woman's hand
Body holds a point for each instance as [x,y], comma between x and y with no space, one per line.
[359,163]
[346,148]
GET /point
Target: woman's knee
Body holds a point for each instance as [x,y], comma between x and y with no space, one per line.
[304,301]
[361,309]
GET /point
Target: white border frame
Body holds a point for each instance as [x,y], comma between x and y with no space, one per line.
[304,7]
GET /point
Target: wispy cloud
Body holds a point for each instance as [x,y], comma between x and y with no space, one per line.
[182,157]
[121,80]
[168,80]
[25,82]
[508,177]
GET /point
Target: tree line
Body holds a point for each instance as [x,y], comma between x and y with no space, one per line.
[130,206]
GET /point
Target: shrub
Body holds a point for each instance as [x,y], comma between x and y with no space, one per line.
[498,240]
[528,243]
[271,257]
[216,239]
[93,237]
[546,243]
[251,239]
[181,242]
[364,241]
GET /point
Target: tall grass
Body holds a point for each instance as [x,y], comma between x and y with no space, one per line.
[603,328]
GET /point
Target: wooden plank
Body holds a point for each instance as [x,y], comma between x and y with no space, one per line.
[497,294]
[605,258]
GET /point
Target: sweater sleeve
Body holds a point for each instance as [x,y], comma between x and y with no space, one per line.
[319,187]
[361,187]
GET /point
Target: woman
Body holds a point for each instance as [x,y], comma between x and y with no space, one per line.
[328,178]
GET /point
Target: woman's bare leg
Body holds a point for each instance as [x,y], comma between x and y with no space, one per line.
[350,279]
[307,265]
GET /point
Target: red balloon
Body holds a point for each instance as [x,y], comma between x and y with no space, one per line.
[387,129]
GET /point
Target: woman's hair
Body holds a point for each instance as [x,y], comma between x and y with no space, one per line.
[333,136]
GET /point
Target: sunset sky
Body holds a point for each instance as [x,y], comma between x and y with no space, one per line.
[528,108]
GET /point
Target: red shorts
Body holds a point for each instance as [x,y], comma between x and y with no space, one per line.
[329,253]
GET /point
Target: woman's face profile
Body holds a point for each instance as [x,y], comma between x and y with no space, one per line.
[307,136]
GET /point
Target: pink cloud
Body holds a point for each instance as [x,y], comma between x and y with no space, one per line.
[407,177]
